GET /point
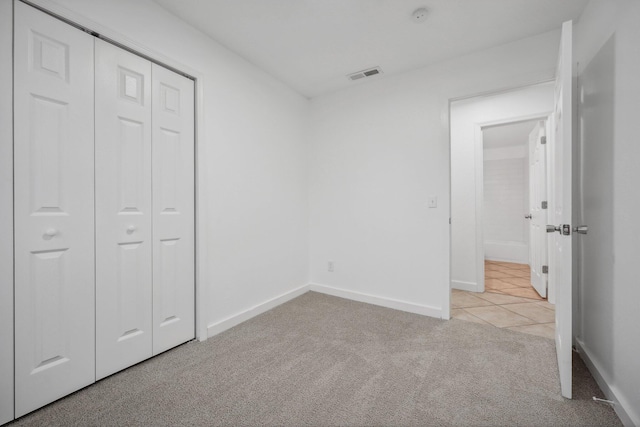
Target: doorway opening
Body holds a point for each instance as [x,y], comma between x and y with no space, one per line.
[467,118]
[513,250]
[514,194]
[498,186]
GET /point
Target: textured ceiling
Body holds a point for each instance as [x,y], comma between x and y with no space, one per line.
[311,45]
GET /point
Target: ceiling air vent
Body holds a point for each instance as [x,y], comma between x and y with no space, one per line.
[365,73]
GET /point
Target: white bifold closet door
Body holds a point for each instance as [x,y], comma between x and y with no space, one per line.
[173,209]
[123,209]
[144,209]
[54,210]
[104,209]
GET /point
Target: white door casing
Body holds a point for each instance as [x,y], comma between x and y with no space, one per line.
[559,191]
[123,209]
[538,220]
[550,132]
[173,209]
[53,207]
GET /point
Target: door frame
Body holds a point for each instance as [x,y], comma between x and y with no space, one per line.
[122,41]
[545,125]
[532,114]
[478,145]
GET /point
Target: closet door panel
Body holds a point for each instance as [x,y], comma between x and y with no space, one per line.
[123,209]
[53,203]
[173,210]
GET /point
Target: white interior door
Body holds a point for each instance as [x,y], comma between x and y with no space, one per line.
[538,215]
[560,256]
[123,209]
[173,210]
[53,203]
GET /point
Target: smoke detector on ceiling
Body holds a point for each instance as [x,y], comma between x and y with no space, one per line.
[370,72]
[420,14]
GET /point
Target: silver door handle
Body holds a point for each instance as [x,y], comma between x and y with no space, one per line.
[581,229]
[564,229]
[528,216]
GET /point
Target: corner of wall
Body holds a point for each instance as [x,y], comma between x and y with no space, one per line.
[236,319]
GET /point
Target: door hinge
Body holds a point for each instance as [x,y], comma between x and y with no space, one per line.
[543,140]
[544,205]
[545,269]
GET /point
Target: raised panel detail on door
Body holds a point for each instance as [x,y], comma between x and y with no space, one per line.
[47,153]
[132,177]
[169,256]
[47,288]
[173,210]
[130,257]
[169,147]
[123,209]
[50,56]
[53,207]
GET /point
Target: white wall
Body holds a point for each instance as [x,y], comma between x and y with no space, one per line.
[6,214]
[608,293]
[467,116]
[253,152]
[377,152]
[506,202]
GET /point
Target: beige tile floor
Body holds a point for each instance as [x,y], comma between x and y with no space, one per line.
[509,278]
[508,306]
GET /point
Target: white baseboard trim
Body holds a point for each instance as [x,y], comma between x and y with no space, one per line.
[502,259]
[497,250]
[464,286]
[424,310]
[627,414]
[230,322]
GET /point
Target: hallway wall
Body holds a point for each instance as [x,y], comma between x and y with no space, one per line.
[506,202]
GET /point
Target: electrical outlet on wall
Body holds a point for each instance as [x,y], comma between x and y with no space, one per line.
[330,266]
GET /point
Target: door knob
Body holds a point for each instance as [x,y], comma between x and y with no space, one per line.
[131,229]
[49,233]
[564,229]
[528,216]
[581,229]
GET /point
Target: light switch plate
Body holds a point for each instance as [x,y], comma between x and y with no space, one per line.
[432,201]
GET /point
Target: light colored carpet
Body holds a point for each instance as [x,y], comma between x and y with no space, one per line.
[321,360]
